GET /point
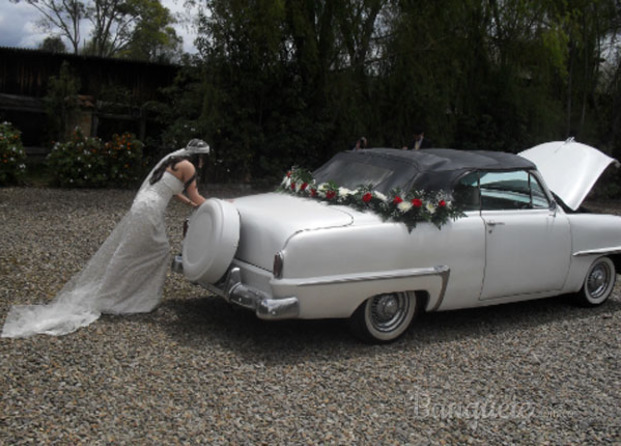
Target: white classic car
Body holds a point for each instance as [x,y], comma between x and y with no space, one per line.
[375,236]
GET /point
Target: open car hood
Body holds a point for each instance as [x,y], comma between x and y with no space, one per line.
[570,169]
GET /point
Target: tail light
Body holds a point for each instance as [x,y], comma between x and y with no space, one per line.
[279,261]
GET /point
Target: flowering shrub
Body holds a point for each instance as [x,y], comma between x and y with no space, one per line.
[78,162]
[124,154]
[89,162]
[12,155]
[410,209]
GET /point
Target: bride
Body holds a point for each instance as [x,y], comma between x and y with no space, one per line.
[126,274]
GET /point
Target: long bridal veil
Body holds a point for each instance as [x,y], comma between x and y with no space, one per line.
[125,275]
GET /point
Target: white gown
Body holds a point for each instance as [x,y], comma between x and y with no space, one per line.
[126,274]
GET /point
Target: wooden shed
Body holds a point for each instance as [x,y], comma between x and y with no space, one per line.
[112,94]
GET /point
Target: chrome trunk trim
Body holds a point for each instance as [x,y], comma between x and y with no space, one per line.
[260,302]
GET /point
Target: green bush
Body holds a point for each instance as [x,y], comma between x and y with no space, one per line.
[12,155]
[85,161]
[78,162]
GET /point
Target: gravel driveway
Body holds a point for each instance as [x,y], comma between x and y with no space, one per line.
[197,371]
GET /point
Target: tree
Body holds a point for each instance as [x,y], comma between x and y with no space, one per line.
[61,102]
[65,16]
[153,37]
[136,28]
[587,25]
[140,28]
[53,45]
[292,81]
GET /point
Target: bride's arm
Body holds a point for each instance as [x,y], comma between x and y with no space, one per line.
[192,193]
[185,200]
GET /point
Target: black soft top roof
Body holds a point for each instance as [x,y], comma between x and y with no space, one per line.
[431,169]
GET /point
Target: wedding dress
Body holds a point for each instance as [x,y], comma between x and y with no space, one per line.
[126,274]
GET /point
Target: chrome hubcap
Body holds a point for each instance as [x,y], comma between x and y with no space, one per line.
[388,311]
[387,307]
[598,281]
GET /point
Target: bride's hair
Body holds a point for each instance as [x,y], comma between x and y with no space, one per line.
[172,163]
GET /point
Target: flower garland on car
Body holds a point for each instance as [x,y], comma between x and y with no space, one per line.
[411,208]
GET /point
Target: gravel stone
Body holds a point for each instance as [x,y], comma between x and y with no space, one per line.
[198,371]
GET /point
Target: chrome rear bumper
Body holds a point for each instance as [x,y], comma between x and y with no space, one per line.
[234,291]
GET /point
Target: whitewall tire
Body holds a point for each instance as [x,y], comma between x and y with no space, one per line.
[385,317]
[598,283]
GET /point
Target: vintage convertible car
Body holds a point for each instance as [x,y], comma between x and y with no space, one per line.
[376,236]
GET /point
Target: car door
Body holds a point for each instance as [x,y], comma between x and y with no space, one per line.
[528,240]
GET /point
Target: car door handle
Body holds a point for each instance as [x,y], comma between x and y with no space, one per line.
[495,223]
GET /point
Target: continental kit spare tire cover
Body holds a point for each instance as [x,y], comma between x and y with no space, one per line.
[211,241]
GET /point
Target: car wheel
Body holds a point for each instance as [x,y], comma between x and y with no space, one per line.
[385,317]
[598,284]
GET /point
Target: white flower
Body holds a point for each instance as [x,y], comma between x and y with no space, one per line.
[431,208]
[404,206]
[321,190]
[344,192]
[381,196]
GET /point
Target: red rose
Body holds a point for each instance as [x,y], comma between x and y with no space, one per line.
[289,174]
[292,185]
[313,192]
[304,186]
[397,200]
[417,202]
[367,197]
[330,194]
[442,203]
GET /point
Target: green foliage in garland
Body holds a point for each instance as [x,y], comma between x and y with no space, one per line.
[409,208]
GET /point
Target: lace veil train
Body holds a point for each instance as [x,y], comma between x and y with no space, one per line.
[125,275]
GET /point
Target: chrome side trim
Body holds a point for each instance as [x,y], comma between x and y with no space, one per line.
[601,251]
[439,270]
[442,271]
